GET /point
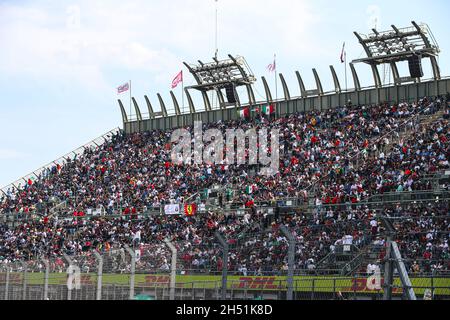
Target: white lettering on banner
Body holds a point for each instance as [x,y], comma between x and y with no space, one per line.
[172,209]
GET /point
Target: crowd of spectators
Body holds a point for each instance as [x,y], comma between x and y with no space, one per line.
[134,172]
[257,245]
[317,149]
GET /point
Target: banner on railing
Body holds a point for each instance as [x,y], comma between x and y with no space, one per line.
[172,209]
[190,209]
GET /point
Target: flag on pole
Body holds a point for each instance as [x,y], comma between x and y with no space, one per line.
[244,113]
[123,88]
[249,189]
[177,79]
[31,180]
[343,53]
[268,110]
[273,66]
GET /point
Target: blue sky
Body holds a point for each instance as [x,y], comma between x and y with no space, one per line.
[61,61]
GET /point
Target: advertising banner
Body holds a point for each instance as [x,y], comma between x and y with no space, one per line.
[172,209]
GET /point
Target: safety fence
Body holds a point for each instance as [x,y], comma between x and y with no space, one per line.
[32,286]
[258,267]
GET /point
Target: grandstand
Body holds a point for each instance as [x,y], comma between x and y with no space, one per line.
[358,210]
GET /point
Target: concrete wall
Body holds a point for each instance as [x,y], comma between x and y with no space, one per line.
[367,96]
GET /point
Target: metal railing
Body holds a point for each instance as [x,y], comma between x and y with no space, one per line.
[376,201]
[16,284]
[130,273]
[171,112]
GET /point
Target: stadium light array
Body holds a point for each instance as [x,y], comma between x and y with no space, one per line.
[400,44]
[393,45]
[220,74]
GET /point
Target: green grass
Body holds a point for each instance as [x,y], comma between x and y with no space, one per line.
[301,283]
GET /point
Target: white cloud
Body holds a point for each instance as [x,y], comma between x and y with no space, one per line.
[83,40]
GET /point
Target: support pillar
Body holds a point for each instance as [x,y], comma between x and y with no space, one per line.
[224,246]
[173,268]
[99,275]
[291,262]
[132,270]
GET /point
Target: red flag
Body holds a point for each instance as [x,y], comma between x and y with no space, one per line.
[177,79]
[366,143]
[250,203]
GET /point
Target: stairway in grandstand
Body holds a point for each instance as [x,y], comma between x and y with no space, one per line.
[345,258]
[369,254]
[340,260]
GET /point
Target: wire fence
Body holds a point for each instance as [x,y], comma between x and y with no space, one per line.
[31,286]
[145,272]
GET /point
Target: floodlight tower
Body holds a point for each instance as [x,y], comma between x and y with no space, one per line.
[400,44]
[225,74]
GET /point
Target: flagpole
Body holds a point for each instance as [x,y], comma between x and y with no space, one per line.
[345,58]
[276,84]
[216,50]
[182,94]
[130,99]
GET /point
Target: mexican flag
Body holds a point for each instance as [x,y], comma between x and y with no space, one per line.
[250,189]
[31,181]
[268,110]
[244,113]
